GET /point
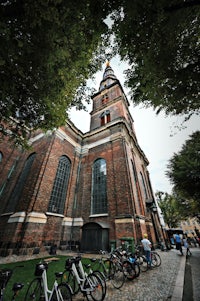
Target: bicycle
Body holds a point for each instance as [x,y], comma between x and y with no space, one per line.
[90,285]
[38,288]
[155,259]
[142,261]
[5,275]
[88,268]
[129,263]
[110,268]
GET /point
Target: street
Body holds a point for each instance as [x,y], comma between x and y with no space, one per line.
[191,290]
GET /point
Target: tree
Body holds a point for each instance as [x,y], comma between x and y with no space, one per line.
[169,207]
[160,41]
[50,48]
[184,168]
[48,51]
[188,208]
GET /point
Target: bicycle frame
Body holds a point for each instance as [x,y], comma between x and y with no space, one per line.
[81,276]
[47,292]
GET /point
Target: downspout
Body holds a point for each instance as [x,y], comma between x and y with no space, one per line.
[75,197]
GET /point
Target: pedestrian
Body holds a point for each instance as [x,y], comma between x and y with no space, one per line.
[178,243]
[186,246]
[147,248]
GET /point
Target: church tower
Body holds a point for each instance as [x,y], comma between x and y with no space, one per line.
[79,190]
[116,194]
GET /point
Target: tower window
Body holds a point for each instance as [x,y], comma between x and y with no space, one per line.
[105,117]
[99,187]
[1,157]
[59,191]
[105,99]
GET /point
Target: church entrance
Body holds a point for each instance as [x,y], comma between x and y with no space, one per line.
[95,237]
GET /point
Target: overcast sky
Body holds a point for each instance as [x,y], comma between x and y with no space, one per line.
[157,135]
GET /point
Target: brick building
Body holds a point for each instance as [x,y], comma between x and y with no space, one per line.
[89,189]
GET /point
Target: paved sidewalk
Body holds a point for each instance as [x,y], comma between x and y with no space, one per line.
[164,283]
[158,284]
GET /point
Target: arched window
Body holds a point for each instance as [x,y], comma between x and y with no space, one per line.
[60,185]
[99,187]
[18,189]
[143,185]
[105,117]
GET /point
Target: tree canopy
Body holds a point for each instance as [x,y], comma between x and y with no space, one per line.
[50,48]
[48,51]
[184,169]
[160,40]
[169,207]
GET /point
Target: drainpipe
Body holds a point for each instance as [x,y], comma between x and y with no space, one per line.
[75,197]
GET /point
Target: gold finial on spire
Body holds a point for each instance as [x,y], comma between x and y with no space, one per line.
[107,63]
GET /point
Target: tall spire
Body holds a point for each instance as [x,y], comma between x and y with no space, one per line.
[108,77]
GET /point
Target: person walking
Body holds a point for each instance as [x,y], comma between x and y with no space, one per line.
[178,243]
[186,246]
[147,248]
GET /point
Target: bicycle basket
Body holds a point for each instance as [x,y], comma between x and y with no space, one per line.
[5,275]
[39,269]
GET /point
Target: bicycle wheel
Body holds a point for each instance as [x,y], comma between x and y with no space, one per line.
[141,260]
[129,270]
[101,276]
[34,291]
[137,269]
[116,276]
[72,282]
[64,292]
[94,288]
[155,259]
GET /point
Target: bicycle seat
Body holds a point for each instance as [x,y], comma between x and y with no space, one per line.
[5,275]
[93,259]
[68,264]
[40,267]
[17,286]
[59,274]
[87,265]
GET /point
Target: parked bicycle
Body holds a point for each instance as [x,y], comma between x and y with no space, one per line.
[129,263]
[5,275]
[110,267]
[38,288]
[142,261]
[90,285]
[88,269]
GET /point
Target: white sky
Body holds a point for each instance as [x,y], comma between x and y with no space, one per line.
[157,135]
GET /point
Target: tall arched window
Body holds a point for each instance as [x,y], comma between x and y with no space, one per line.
[99,187]
[60,185]
[143,185]
[18,189]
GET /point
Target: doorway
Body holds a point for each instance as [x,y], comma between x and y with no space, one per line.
[95,237]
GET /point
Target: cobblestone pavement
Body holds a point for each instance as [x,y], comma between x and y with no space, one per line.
[156,284]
